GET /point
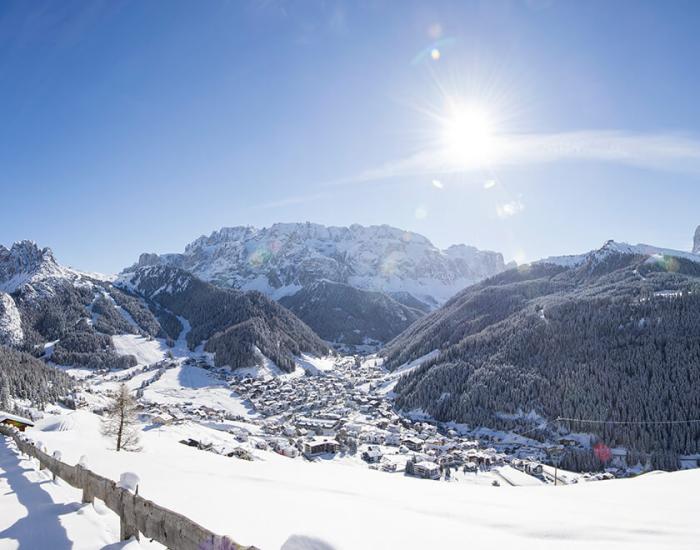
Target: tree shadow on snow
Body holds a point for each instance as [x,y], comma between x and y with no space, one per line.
[40,528]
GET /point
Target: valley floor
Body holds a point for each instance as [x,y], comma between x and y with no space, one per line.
[274,501]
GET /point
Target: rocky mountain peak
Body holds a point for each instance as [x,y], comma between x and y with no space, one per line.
[25,262]
[281,259]
[696,240]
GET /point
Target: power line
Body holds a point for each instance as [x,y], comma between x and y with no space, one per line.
[632,422]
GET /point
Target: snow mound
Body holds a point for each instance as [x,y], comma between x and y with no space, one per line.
[73,421]
[129,481]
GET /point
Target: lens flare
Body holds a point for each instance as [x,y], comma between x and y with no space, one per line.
[469,131]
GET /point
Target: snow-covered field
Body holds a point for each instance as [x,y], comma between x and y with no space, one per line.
[269,500]
[190,384]
[39,513]
[146,351]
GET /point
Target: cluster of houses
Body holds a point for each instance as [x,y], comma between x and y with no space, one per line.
[345,412]
[341,413]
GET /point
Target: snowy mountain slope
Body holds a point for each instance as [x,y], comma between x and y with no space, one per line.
[11,333]
[345,315]
[278,499]
[283,259]
[77,313]
[611,248]
[610,336]
[104,323]
[233,324]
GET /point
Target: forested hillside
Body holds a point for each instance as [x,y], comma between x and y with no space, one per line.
[615,338]
[233,323]
[343,314]
[25,377]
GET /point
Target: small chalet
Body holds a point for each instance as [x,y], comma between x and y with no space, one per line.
[17,421]
[413,443]
[427,470]
[372,455]
[320,445]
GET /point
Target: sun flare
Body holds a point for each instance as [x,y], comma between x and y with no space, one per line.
[469,133]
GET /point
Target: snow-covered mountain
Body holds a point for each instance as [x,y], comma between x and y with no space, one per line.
[241,329]
[82,315]
[30,268]
[610,334]
[11,333]
[331,264]
[611,248]
[347,315]
[281,259]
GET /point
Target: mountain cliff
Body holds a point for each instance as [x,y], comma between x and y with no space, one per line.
[283,259]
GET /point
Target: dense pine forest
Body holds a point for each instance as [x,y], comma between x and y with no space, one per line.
[615,339]
[232,322]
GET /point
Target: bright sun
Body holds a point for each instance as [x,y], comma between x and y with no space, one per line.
[468,133]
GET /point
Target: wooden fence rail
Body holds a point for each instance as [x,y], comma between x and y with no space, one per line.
[136,514]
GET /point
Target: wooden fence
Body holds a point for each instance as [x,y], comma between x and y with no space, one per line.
[136,514]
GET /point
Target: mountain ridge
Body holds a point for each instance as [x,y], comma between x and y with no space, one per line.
[610,336]
[288,258]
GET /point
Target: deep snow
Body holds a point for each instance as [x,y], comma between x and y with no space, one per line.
[269,500]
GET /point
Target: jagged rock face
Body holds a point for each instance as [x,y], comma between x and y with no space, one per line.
[696,240]
[27,265]
[287,259]
[11,333]
[282,259]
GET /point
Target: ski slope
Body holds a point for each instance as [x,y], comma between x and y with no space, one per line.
[272,499]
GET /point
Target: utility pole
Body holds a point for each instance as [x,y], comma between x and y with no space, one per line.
[555,454]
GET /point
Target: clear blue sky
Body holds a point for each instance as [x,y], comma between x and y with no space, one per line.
[138,126]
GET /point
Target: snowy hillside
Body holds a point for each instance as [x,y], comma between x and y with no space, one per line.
[274,502]
[235,326]
[11,333]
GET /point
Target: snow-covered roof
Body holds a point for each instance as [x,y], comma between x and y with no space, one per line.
[320,440]
[14,418]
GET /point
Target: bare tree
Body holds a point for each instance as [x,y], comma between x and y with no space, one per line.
[120,420]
